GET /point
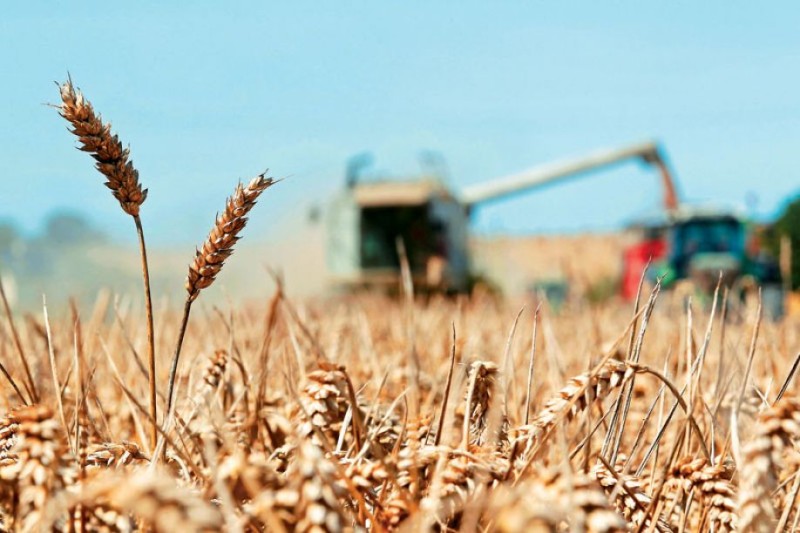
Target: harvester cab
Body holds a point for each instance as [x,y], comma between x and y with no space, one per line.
[373,221]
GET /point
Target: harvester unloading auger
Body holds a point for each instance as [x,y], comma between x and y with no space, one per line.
[369,218]
[539,176]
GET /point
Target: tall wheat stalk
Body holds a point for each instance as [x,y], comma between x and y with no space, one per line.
[122,178]
[210,258]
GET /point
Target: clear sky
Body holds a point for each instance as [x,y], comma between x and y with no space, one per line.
[207,93]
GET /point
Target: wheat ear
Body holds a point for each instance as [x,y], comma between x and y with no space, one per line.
[122,178]
[713,487]
[776,428]
[578,394]
[97,139]
[210,258]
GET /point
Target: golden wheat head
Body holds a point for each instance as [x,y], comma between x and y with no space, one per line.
[97,139]
[209,259]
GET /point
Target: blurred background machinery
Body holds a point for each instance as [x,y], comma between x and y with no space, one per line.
[370,217]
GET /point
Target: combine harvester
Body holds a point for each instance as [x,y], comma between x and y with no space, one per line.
[370,218]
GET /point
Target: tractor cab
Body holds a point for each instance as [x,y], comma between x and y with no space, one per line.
[687,243]
[696,246]
[704,244]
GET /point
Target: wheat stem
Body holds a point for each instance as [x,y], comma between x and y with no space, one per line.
[151,347]
[30,386]
[174,368]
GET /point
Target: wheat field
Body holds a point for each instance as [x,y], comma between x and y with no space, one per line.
[372,414]
[365,413]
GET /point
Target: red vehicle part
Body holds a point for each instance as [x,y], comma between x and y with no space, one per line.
[635,259]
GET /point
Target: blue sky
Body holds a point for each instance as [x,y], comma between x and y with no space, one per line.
[209,92]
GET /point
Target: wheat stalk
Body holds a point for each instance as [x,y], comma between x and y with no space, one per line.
[152,499]
[35,461]
[112,160]
[482,381]
[212,376]
[579,393]
[550,501]
[628,495]
[30,385]
[210,257]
